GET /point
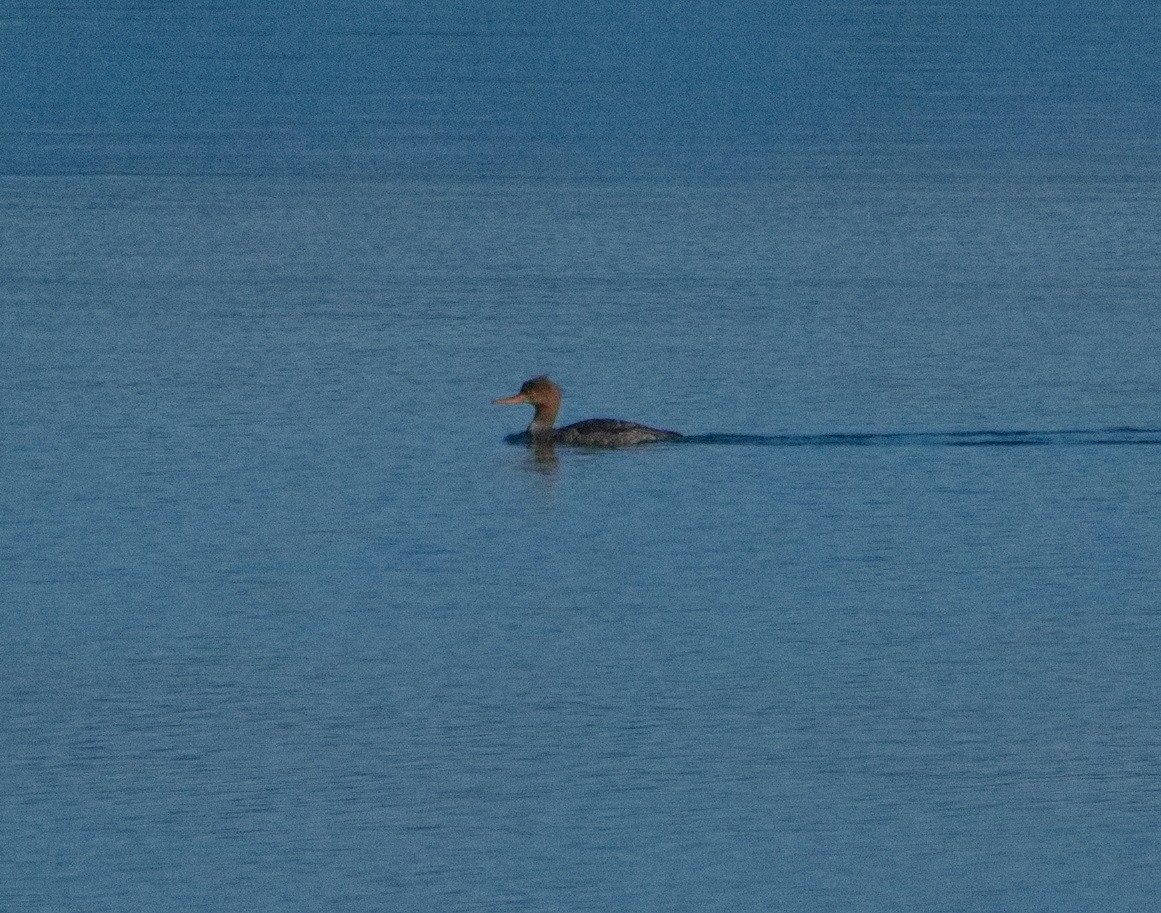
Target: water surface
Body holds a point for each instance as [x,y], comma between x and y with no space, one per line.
[286,624]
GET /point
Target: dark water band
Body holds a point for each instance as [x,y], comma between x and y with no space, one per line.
[1080,437]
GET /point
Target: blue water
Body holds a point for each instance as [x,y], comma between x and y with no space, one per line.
[286,625]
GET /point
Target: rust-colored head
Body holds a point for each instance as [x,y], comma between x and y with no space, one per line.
[541,393]
[533,392]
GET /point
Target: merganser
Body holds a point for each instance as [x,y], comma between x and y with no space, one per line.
[545,396]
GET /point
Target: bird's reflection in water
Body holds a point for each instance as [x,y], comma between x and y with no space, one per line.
[543,458]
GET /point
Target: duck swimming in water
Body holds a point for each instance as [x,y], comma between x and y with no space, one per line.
[545,396]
